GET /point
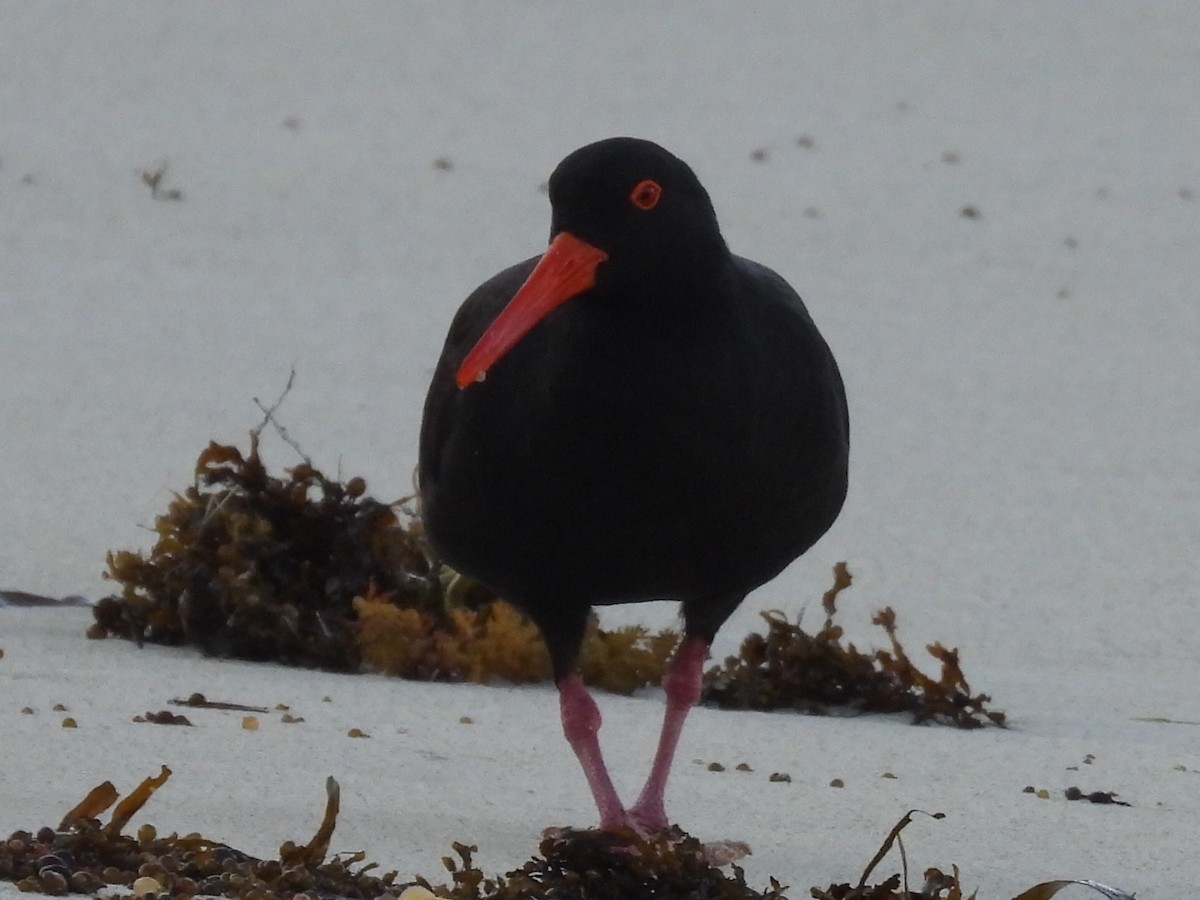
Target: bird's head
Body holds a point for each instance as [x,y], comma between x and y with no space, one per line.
[627,217]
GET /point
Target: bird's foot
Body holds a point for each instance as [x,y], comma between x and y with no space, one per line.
[647,819]
[629,841]
[623,831]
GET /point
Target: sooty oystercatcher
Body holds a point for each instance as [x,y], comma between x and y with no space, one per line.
[637,414]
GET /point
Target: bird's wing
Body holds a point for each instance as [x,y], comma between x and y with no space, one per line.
[477,312]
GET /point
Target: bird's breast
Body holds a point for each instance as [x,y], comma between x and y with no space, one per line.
[627,461]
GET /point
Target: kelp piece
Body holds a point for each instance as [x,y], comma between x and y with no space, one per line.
[1108,798]
[128,808]
[893,837]
[787,668]
[1048,889]
[313,853]
[199,701]
[937,885]
[98,799]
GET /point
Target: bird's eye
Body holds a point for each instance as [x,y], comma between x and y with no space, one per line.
[645,195]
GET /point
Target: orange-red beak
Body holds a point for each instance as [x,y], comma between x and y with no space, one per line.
[567,268]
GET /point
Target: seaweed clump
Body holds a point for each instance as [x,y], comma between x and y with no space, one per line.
[84,856]
[594,865]
[497,641]
[787,668]
[257,567]
[307,570]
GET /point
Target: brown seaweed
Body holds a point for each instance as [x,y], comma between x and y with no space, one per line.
[787,668]
[1104,798]
[199,701]
[253,566]
[83,856]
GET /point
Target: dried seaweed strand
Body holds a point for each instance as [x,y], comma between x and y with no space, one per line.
[892,837]
[129,807]
[98,799]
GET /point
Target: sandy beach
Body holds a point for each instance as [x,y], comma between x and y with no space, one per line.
[992,211]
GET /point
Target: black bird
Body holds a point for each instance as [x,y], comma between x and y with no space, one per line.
[660,419]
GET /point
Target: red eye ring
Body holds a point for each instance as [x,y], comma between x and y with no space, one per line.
[646,194]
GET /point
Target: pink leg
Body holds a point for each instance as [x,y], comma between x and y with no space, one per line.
[682,685]
[581,722]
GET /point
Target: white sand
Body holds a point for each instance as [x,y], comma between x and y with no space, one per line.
[1024,402]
